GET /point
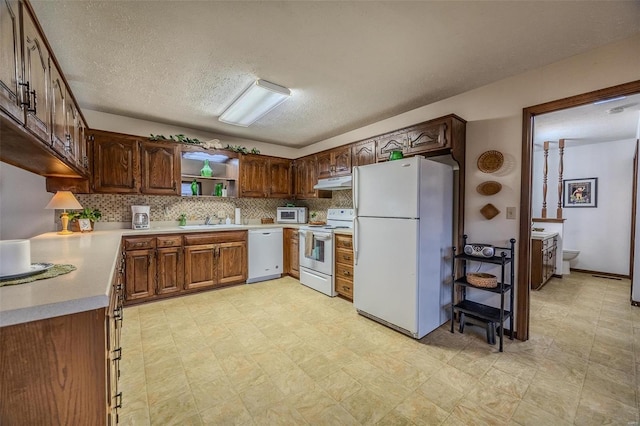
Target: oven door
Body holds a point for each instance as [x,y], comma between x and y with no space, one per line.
[317,255]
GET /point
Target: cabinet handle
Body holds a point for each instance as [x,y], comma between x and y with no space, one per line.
[346,273]
[347,258]
[118,399]
[174,185]
[118,354]
[29,93]
[150,259]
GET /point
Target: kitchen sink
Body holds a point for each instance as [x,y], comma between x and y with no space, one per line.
[215,226]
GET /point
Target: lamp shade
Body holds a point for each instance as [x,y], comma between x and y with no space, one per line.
[260,98]
[63,200]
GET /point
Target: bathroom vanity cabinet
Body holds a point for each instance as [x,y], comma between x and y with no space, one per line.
[543,259]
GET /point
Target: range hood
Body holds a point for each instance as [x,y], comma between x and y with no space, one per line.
[334,184]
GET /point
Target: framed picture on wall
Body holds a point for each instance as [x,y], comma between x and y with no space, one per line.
[580,192]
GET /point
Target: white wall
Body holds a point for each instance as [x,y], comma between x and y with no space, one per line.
[602,233]
[22,201]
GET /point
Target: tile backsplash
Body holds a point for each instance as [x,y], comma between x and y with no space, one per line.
[117,207]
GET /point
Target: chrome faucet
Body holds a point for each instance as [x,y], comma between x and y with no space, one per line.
[207,220]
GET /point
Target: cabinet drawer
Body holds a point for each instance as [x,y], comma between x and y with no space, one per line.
[344,287]
[344,241]
[344,256]
[214,238]
[344,271]
[169,241]
[139,243]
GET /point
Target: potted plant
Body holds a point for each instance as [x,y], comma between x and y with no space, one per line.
[182,219]
[83,220]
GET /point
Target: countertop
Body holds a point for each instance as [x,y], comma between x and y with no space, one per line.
[536,235]
[95,256]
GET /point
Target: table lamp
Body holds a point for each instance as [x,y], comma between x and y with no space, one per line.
[64,200]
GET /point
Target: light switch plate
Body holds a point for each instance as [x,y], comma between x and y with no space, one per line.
[511,213]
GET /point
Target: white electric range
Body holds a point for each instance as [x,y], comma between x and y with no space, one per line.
[316,250]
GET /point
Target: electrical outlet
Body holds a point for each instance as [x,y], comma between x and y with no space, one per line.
[511,213]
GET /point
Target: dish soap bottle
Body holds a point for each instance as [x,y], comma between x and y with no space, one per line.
[227,220]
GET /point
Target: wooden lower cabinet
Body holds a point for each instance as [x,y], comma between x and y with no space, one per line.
[343,268]
[291,256]
[63,370]
[200,266]
[159,266]
[543,261]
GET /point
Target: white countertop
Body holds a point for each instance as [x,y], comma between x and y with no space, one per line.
[95,255]
[538,235]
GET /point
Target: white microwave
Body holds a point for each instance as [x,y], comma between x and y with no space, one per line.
[291,215]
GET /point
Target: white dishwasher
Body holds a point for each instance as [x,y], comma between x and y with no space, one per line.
[265,254]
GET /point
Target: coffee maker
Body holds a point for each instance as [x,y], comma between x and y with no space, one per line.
[140,217]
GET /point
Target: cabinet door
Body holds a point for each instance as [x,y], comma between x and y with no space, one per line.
[324,165]
[115,164]
[279,178]
[170,270]
[363,153]
[160,168]
[537,264]
[299,178]
[200,266]
[426,138]
[294,255]
[232,263]
[36,75]
[341,160]
[140,274]
[11,59]
[59,141]
[253,176]
[388,143]
[311,178]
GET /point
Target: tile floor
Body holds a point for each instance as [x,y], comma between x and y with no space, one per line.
[279,353]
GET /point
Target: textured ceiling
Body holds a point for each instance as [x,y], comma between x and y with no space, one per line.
[348,64]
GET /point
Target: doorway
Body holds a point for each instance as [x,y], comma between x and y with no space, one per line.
[524,251]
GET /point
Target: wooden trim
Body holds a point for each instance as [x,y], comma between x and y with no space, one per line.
[524,250]
[547,220]
[605,274]
[634,207]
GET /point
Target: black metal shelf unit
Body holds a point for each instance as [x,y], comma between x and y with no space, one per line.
[492,316]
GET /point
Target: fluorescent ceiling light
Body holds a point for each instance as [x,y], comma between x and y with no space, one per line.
[260,98]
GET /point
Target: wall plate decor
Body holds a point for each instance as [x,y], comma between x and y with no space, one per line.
[580,192]
[489,211]
[490,161]
[490,187]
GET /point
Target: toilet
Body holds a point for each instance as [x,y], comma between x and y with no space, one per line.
[568,256]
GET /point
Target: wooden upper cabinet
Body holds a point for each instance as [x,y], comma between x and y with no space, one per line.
[115,163]
[59,141]
[11,59]
[262,176]
[336,162]
[427,137]
[391,142]
[160,168]
[305,177]
[363,153]
[253,176]
[280,178]
[299,176]
[36,78]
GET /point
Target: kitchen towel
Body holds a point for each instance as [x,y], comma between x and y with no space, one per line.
[308,244]
[238,220]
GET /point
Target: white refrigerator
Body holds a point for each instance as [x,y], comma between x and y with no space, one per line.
[403,234]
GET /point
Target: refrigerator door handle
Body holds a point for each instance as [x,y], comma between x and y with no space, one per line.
[355,240]
[355,191]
